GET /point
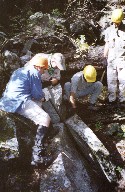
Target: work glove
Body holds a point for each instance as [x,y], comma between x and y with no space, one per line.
[105,63]
[55,84]
[54,81]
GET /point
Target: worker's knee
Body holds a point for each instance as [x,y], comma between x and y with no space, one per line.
[42,118]
[99,85]
[45,119]
[48,117]
[67,86]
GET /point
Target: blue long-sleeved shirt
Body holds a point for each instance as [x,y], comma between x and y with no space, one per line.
[24,84]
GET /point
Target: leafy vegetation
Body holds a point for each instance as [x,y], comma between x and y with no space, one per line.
[56,12]
[98,125]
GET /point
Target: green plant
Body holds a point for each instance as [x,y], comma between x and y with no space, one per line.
[119,169]
[98,125]
[81,44]
[121,135]
[56,12]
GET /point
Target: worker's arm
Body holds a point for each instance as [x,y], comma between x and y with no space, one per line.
[74,85]
[72,100]
[35,87]
[106,49]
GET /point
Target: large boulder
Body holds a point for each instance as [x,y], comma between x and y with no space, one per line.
[17,137]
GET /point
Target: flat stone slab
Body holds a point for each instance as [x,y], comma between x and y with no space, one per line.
[92,147]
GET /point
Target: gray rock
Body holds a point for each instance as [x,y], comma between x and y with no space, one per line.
[26,58]
[16,137]
[11,61]
[70,171]
[8,139]
[95,55]
[27,46]
[56,95]
[92,147]
[48,107]
[53,105]
[37,15]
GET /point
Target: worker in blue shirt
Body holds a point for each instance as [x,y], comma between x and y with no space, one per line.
[24,95]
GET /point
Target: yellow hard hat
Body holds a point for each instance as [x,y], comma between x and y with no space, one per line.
[39,61]
[117,16]
[90,73]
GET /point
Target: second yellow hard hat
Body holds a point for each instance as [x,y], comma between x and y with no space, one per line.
[117,16]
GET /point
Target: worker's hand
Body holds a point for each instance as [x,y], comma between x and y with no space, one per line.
[54,81]
[105,63]
[72,101]
[43,99]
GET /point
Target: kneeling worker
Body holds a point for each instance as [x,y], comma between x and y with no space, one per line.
[83,83]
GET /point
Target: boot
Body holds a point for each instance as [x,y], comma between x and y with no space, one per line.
[37,156]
